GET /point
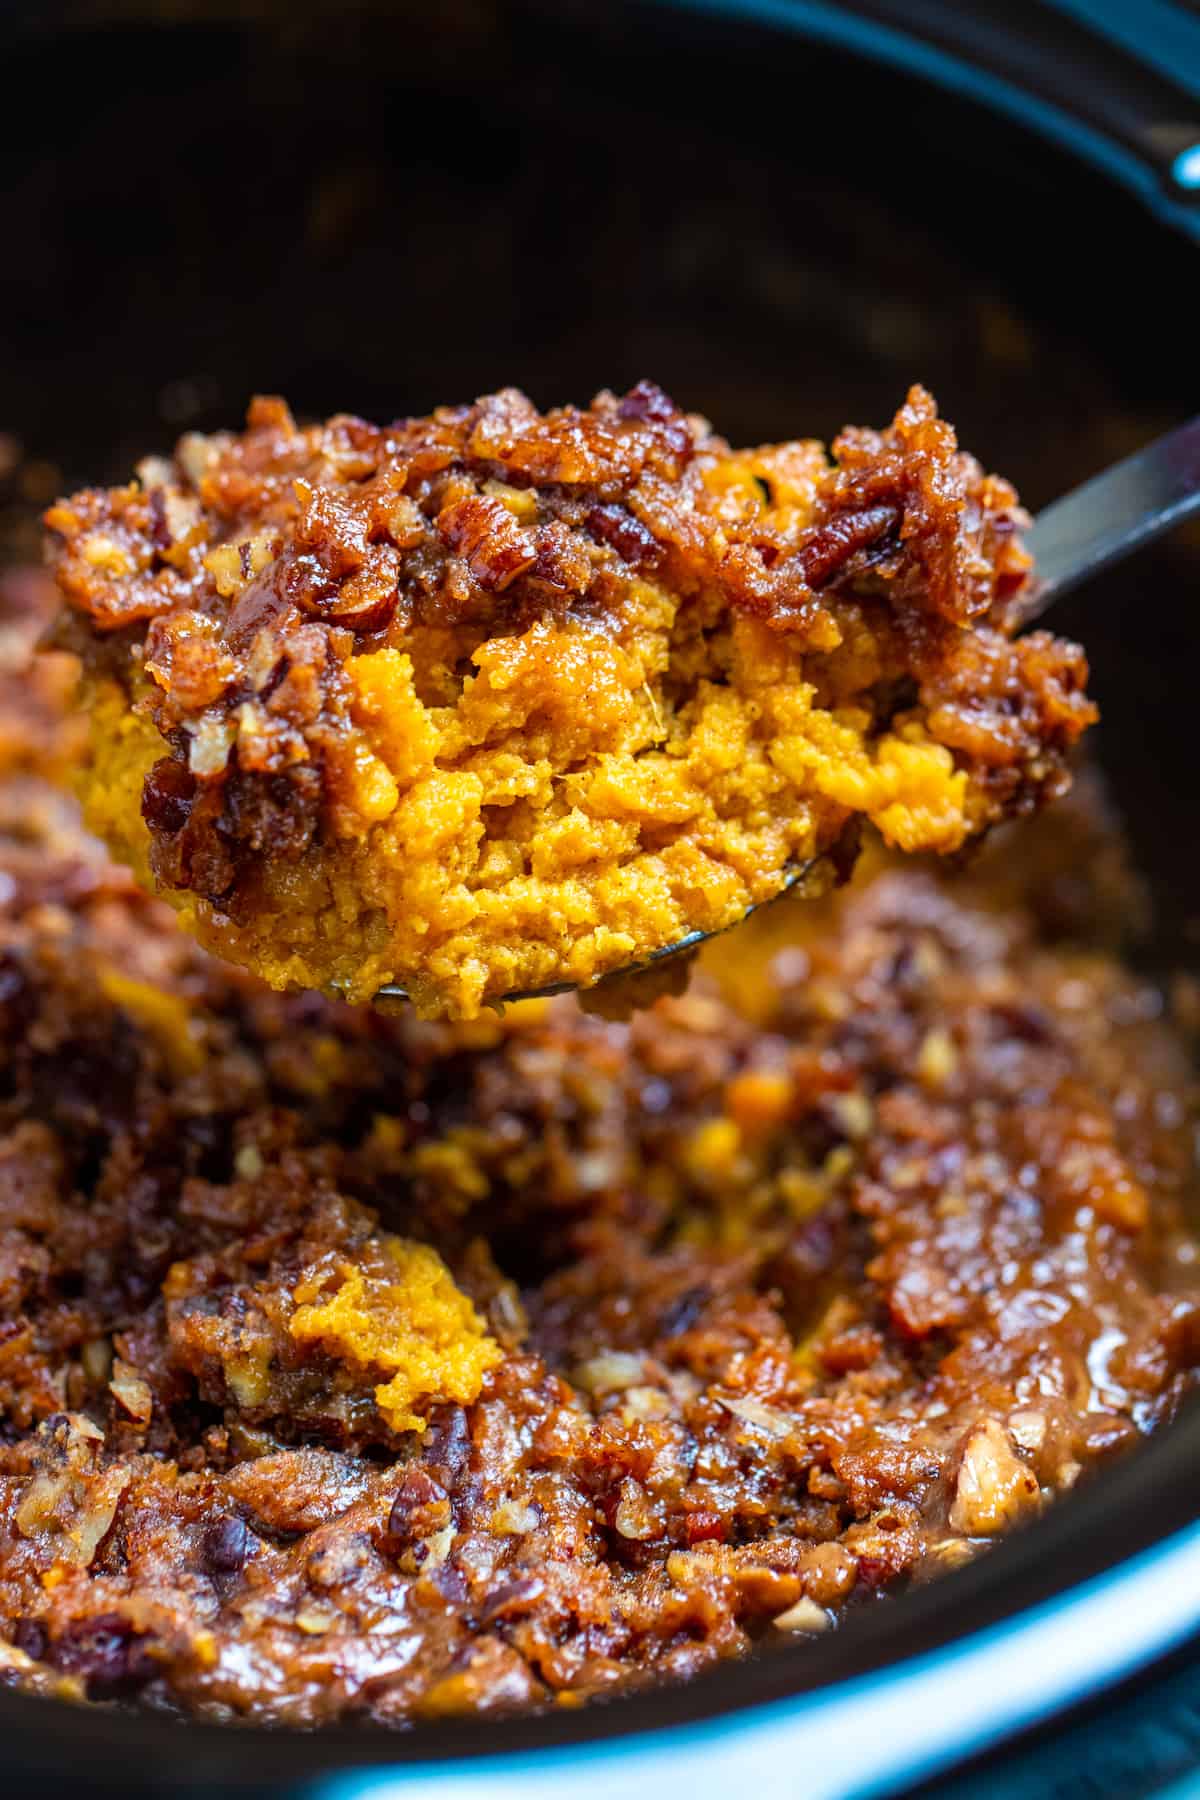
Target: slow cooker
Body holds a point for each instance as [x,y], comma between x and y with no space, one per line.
[784,211]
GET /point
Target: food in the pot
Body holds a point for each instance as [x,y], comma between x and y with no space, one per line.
[495,699]
[365,1367]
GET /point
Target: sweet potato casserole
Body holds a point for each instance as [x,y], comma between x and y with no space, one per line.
[369,1365]
[493,700]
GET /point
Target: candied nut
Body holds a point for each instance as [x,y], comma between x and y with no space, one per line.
[617,527]
[937,1058]
[248,1163]
[196,454]
[97,1359]
[224,564]
[609,1373]
[825,1485]
[514,1518]
[153,471]
[506,1315]
[405,522]
[520,502]
[635,1517]
[684,1565]
[644,1403]
[208,751]
[96,1515]
[995,1488]
[338,1561]
[854,1115]
[805,1615]
[436,1548]
[103,552]
[1028,1428]
[483,531]
[65,1491]
[181,515]
[513,1598]
[314,1621]
[829,1572]
[419,1507]
[131,1392]
[952,1553]
[764,1418]
[247,1377]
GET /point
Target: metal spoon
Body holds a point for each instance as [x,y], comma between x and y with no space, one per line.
[1074,538]
[1114,514]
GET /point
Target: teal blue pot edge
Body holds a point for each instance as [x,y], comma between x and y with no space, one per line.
[864,1736]
[830,24]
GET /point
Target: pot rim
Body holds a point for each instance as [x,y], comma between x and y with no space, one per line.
[1126,1546]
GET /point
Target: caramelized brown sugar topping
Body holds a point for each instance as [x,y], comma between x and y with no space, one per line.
[493,699]
[365,1367]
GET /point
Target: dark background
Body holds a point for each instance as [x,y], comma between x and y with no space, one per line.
[379,208]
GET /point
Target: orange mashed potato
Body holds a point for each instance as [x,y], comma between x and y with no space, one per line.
[403,1317]
[494,700]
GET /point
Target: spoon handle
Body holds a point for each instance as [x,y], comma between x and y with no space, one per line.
[1114,514]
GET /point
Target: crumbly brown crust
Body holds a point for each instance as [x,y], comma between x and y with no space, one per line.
[232,589]
[794,1299]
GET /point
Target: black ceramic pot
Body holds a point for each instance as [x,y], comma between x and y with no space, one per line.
[783,212]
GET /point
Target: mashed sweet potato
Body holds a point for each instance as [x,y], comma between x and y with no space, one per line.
[493,700]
